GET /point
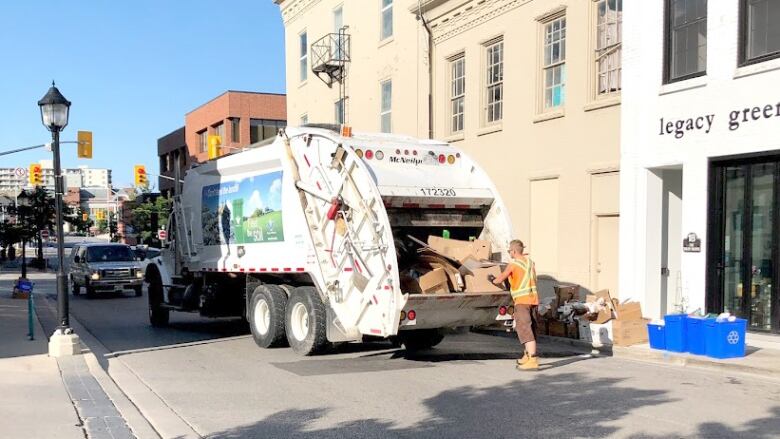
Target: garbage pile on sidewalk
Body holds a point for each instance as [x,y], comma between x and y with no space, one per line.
[599,319]
[444,266]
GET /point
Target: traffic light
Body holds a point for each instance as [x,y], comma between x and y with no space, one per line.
[84,216]
[141,179]
[215,142]
[36,174]
[85,144]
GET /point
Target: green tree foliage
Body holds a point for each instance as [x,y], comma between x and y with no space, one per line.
[142,218]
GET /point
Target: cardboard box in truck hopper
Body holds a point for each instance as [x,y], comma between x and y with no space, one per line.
[478,282]
[434,282]
[460,250]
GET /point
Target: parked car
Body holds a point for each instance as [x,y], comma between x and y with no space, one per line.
[104,267]
[146,255]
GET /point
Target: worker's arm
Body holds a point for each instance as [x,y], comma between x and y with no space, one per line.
[502,277]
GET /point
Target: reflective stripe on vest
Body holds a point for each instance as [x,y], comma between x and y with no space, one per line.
[527,286]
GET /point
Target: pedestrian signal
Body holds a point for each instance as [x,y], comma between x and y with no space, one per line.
[36,174]
[215,142]
[141,179]
[85,144]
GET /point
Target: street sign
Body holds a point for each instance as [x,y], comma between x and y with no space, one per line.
[20,172]
[162,235]
[44,234]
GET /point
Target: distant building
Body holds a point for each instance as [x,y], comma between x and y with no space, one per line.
[240,118]
[14,178]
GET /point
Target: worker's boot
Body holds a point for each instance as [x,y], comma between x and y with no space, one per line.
[531,364]
[524,359]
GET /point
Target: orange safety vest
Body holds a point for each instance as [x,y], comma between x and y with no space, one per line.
[522,282]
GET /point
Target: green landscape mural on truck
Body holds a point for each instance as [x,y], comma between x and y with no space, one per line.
[245,211]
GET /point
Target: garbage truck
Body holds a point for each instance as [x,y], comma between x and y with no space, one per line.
[309,236]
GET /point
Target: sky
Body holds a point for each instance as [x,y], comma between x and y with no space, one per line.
[131,69]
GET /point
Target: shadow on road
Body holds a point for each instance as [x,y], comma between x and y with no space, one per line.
[583,407]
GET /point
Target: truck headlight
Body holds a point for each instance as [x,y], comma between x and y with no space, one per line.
[95,276]
[139,274]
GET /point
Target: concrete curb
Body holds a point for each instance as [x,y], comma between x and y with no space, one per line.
[144,411]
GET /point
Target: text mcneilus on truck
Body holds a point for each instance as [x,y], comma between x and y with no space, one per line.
[317,237]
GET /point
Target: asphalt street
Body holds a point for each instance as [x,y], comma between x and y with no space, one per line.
[213,377]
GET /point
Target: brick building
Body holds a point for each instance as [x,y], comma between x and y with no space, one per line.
[239,117]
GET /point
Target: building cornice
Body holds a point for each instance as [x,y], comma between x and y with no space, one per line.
[292,9]
[466,15]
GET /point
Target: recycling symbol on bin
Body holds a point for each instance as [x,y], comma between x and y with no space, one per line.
[733,337]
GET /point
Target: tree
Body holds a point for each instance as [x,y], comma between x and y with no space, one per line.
[78,222]
[142,216]
[37,212]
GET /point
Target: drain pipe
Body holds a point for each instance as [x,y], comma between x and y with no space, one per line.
[430,67]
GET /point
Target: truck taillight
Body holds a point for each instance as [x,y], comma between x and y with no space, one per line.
[379,155]
[411,315]
[403,315]
[442,158]
[335,205]
[359,153]
[369,154]
[450,159]
[502,310]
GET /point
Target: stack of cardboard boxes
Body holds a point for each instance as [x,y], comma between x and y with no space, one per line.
[599,320]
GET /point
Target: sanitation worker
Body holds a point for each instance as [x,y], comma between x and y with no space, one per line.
[521,273]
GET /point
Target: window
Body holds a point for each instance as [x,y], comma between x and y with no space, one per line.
[304,56]
[759,30]
[457,92]
[554,63]
[304,119]
[261,129]
[338,110]
[686,39]
[386,25]
[235,129]
[219,130]
[385,110]
[202,144]
[494,81]
[609,41]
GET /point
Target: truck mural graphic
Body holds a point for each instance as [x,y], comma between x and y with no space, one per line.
[245,211]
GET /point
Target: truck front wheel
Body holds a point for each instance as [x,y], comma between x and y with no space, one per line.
[305,321]
[420,339]
[266,316]
[158,316]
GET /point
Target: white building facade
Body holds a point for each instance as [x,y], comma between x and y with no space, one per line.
[700,158]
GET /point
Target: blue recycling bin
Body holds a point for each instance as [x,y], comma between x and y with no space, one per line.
[725,339]
[694,335]
[674,333]
[657,336]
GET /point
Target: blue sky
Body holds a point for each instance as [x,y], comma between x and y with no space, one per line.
[131,68]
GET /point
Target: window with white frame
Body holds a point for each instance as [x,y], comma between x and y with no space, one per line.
[457,92]
[385,110]
[554,63]
[494,83]
[386,25]
[304,56]
[609,42]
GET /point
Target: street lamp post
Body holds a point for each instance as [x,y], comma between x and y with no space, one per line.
[54,115]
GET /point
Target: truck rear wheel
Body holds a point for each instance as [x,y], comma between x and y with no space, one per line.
[305,321]
[158,316]
[420,339]
[266,316]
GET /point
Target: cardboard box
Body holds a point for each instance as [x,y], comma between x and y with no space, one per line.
[629,332]
[573,330]
[542,327]
[627,311]
[479,283]
[605,315]
[434,282]
[460,250]
[567,293]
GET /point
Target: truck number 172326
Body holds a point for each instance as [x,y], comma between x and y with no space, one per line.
[438,192]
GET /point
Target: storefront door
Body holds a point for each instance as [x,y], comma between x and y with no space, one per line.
[744,234]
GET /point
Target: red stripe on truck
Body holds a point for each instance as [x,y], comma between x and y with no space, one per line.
[287,269]
[462,206]
[376,331]
[300,269]
[436,206]
[307,160]
[411,205]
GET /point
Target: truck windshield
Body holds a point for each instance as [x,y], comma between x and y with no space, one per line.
[114,253]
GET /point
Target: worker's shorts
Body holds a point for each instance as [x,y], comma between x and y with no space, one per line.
[525,322]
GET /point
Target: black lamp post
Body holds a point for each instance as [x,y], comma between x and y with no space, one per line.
[54,115]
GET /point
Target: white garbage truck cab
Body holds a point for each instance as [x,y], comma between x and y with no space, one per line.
[306,236]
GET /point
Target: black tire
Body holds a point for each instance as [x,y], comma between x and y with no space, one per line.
[420,339]
[270,299]
[139,290]
[158,316]
[313,340]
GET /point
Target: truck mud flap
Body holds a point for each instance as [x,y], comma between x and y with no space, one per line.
[453,310]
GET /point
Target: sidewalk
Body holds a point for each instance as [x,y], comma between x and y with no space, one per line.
[33,402]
